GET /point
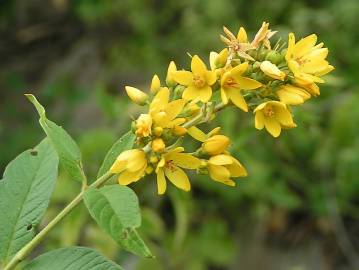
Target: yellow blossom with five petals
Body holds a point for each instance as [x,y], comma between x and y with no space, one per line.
[307,60]
[198,82]
[232,82]
[273,115]
[222,167]
[170,167]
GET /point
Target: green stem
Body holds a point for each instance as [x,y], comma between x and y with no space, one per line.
[22,253]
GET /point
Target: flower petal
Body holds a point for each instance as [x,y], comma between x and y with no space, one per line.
[184,160]
[224,96]
[236,169]
[190,93]
[179,178]
[174,108]
[242,35]
[211,77]
[247,83]
[205,94]
[196,133]
[239,70]
[198,67]
[127,177]
[237,99]
[161,182]
[220,174]
[272,126]
[160,100]
[183,77]
[220,160]
[259,120]
[283,116]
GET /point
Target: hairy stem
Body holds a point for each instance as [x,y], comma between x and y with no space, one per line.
[22,253]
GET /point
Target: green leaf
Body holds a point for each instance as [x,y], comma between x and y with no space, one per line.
[115,208]
[66,147]
[124,143]
[72,258]
[24,196]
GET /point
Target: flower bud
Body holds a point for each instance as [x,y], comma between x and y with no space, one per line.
[158,145]
[221,59]
[169,79]
[272,70]
[153,159]
[149,169]
[136,95]
[155,84]
[274,57]
[215,145]
[157,131]
[179,131]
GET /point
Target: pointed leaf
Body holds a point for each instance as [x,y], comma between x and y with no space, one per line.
[115,208]
[24,196]
[72,258]
[66,147]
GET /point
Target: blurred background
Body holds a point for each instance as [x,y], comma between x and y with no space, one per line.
[298,209]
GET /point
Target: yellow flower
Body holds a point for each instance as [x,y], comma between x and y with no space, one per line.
[198,82]
[215,145]
[158,145]
[292,95]
[169,78]
[143,125]
[273,115]
[239,43]
[170,166]
[307,60]
[232,82]
[163,112]
[155,84]
[218,60]
[263,35]
[131,165]
[272,70]
[136,95]
[222,167]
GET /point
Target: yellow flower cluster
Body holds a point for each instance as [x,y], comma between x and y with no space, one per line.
[251,75]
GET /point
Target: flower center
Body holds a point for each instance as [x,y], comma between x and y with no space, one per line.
[170,165]
[198,81]
[231,82]
[235,45]
[269,112]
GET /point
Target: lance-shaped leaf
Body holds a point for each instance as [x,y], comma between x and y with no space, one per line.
[66,147]
[24,196]
[124,143]
[72,258]
[115,209]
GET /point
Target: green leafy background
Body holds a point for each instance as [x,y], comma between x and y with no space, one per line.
[299,204]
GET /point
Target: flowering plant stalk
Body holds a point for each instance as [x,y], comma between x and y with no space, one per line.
[253,75]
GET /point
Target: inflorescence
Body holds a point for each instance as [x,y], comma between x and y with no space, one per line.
[251,75]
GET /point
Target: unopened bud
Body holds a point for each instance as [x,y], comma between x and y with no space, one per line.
[149,169]
[157,131]
[169,79]
[179,131]
[274,57]
[136,95]
[153,159]
[215,145]
[158,145]
[221,59]
[272,70]
[155,84]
